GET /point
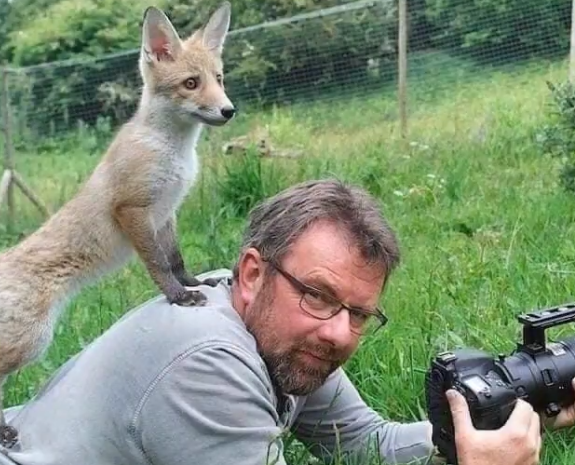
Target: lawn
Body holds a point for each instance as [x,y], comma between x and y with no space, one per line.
[485,229]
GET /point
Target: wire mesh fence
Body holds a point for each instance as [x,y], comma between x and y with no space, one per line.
[348,50]
[453,42]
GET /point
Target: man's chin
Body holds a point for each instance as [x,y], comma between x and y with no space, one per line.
[305,379]
[307,385]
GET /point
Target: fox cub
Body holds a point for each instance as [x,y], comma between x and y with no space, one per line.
[130,201]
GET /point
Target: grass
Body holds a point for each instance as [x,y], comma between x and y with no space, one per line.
[486,231]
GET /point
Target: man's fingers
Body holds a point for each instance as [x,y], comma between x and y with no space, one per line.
[535,426]
[459,411]
[521,414]
[534,434]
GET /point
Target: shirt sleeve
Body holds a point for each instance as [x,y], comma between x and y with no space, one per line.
[336,420]
[211,406]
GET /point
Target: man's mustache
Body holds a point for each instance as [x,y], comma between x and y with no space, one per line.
[321,351]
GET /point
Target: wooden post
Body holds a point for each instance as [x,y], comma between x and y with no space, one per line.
[10,177]
[6,184]
[572,49]
[402,62]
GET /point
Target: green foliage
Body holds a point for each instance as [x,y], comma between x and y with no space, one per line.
[557,136]
[189,15]
[350,52]
[5,7]
[501,30]
[78,28]
[334,53]
[247,181]
[484,28]
[337,53]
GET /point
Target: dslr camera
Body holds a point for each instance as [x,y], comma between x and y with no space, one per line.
[537,371]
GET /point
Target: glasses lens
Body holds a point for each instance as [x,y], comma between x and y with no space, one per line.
[317,306]
[369,326]
[360,322]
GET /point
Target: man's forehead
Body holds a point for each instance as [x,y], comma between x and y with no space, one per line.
[326,253]
[325,239]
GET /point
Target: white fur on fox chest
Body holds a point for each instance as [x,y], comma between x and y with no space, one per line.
[179,167]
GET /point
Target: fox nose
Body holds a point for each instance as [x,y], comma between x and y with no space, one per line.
[228,112]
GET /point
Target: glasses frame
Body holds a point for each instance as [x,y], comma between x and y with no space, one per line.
[306,289]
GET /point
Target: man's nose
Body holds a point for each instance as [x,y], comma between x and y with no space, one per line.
[337,330]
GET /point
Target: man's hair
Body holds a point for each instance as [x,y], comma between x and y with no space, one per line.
[276,223]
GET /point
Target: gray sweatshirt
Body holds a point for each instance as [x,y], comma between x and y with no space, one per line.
[170,385]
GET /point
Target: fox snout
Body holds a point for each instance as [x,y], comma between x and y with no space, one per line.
[228,112]
[216,115]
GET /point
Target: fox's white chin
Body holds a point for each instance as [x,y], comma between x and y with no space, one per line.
[210,120]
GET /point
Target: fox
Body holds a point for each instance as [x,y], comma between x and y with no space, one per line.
[128,205]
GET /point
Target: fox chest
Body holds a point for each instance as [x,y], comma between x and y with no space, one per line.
[172,188]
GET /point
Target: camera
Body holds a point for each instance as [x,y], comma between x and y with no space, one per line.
[537,371]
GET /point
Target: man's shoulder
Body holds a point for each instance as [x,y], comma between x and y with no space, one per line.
[164,331]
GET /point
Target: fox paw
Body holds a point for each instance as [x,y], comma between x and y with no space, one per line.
[189,298]
[191,281]
[8,436]
[211,282]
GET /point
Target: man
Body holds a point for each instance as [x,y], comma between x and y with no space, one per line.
[221,384]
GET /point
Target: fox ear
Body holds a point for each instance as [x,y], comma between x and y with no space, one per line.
[213,34]
[160,41]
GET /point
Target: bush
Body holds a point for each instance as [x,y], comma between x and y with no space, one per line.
[78,29]
[501,30]
[347,52]
[557,137]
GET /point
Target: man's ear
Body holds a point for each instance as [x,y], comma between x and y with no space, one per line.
[160,41]
[250,275]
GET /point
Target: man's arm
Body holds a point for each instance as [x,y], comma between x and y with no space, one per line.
[210,406]
[336,419]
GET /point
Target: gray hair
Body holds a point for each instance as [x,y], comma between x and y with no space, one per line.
[276,223]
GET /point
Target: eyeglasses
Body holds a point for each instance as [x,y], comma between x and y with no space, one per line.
[323,306]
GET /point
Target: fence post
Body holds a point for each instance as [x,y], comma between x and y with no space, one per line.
[10,177]
[402,62]
[6,182]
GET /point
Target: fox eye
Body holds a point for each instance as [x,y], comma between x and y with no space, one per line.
[220,78]
[191,83]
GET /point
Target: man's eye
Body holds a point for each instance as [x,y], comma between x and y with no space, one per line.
[317,300]
[359,316]
[314,295]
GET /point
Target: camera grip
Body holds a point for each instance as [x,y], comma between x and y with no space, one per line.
[440,415]
[488,409]
[443,430]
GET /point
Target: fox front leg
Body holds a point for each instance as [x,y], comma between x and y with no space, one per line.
[8,434]
[136,224]
[169,242]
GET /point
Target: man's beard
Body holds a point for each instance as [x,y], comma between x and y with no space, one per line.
[287,365]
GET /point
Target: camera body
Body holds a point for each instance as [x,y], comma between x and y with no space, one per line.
[538,372]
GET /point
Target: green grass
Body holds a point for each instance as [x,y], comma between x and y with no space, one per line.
[485,229]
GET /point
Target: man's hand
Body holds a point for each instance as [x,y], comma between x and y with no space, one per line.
[565,418]
[518,442]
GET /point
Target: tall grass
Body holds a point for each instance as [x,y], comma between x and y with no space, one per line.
[486,231]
